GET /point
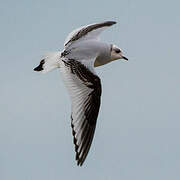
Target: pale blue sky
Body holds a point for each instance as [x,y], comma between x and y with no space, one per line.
[138,129]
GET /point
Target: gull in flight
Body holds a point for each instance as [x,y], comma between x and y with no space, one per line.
[82,52]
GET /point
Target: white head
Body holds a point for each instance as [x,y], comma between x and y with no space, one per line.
[116,53]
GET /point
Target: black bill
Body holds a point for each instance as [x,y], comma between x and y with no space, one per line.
[125,58]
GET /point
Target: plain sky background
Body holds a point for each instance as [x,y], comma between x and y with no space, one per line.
[138,129]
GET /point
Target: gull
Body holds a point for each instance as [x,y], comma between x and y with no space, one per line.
[82,52]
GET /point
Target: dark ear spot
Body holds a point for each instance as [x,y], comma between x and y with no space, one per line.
[40,67]
[117,50]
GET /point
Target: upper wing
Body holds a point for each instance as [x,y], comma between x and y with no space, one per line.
[85,90]
[91,31]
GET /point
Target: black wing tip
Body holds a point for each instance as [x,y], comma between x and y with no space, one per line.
[110,23]
[80,161]
[75,143]
[40,67]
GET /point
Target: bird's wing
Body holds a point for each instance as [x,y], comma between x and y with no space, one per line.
[84,87]
[91,31]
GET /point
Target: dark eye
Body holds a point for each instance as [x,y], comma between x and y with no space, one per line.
[117,50]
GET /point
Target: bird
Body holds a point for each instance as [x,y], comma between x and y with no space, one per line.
[83,51]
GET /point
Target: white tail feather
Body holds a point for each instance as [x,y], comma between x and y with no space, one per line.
[49,62]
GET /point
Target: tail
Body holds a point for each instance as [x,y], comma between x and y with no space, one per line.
[49,62]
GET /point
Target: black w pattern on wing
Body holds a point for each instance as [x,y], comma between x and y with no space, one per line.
[91,109]
[89,28]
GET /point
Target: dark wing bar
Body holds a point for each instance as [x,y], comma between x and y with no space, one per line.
[88,29]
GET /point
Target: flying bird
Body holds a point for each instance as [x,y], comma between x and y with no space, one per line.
[82,52]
